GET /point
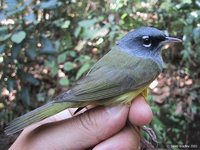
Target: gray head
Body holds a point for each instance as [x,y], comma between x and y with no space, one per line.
[146,42]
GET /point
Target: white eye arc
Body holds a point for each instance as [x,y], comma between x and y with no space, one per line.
[146,41]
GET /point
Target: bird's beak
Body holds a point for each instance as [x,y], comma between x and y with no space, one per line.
[169,40]
[172,40]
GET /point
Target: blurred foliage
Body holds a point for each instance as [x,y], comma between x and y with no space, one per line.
[47,45]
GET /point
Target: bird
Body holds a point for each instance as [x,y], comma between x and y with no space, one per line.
[118,77]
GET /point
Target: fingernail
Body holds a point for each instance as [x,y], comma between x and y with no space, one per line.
[114,109]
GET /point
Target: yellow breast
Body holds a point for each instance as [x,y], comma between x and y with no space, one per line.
[127,98]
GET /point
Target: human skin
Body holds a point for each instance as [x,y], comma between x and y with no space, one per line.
[99,128]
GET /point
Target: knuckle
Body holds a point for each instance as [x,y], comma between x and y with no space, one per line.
[89,125]
[86,121]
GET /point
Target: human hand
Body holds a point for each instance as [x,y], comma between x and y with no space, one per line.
[100,128]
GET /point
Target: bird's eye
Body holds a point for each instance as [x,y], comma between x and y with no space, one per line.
[146,41]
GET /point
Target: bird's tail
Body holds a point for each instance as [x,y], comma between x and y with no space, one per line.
[36,115]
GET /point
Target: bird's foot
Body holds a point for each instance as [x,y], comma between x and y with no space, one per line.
[151,143]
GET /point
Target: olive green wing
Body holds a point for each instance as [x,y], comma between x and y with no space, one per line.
[115,74]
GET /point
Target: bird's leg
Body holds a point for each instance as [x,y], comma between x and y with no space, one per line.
[151,134]
[149,144]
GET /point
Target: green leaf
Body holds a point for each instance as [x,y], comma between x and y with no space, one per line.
[31,53]
[15,51]
[89,33]
[167,5]
[58,22]
[67,41]
[18,37]
[83,59]
[30,18]
[100,33]
[25,97]
[52,65]
[61,23]
[29,78]
[2,48]
[65,24]
[77,31]
[72,53]
[11,4]
[196,34]
[3,29]
[4,37]
[62,57]
[50,4]
[41,97]
[68,66]
[82,70]
[124,15]
[10,83]
[187,1]
[64,81]
[87,23]
[47,46]
[31,50]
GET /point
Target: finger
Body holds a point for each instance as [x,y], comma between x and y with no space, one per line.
[127,139]
[140,112]
[79,132]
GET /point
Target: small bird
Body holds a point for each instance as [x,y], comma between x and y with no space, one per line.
[118,77]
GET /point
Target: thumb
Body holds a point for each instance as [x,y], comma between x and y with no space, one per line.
[95,125]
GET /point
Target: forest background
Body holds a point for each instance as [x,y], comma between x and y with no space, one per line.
[45,46]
